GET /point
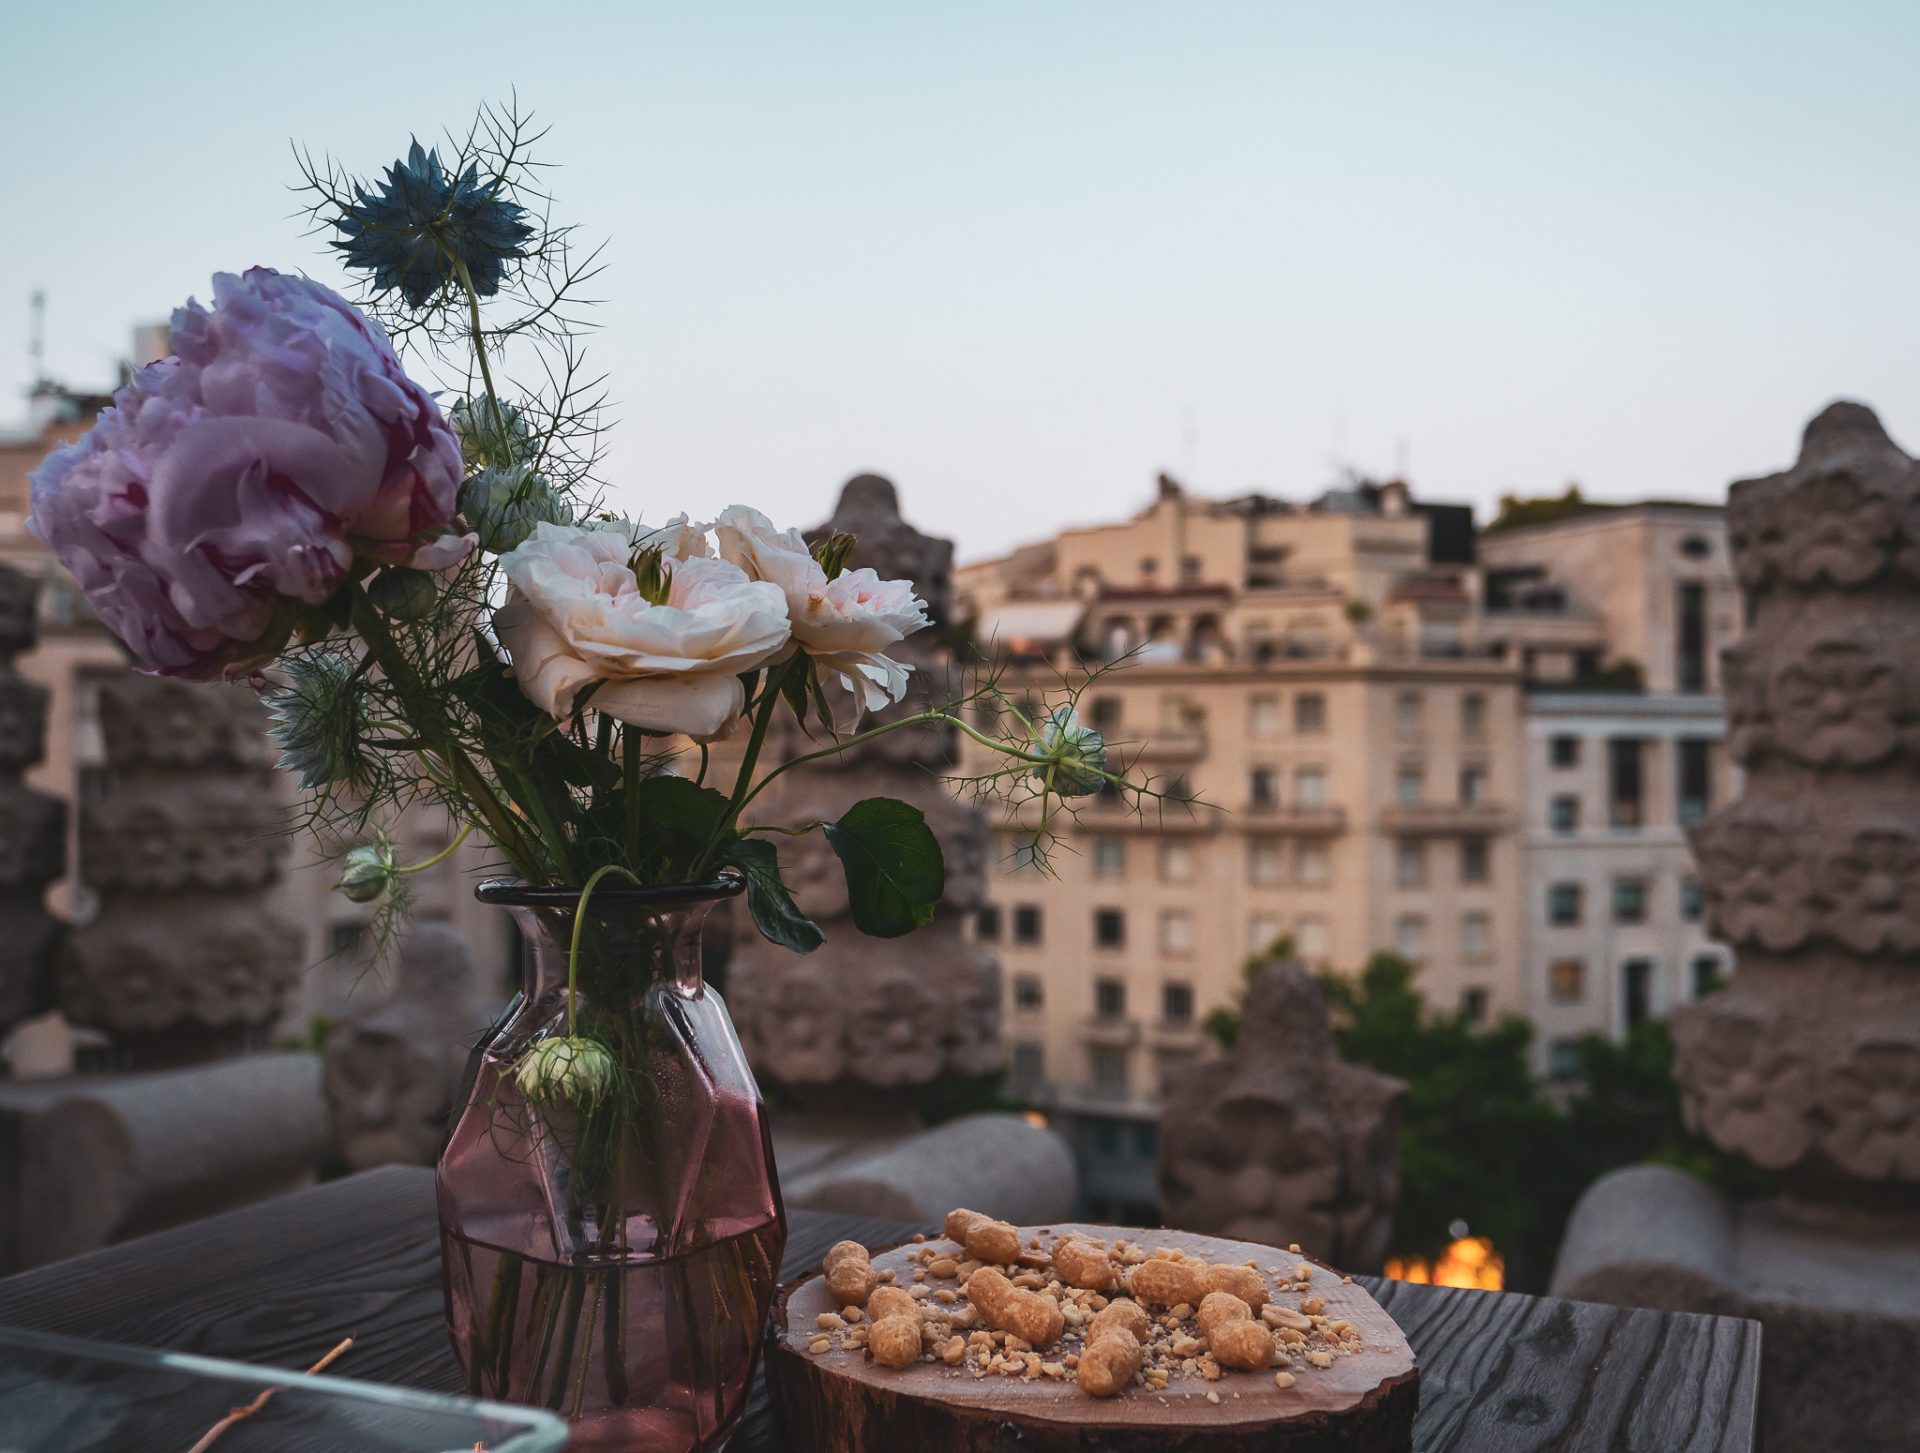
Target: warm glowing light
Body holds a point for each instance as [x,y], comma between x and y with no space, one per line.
[1034,1118]
[1469,1262]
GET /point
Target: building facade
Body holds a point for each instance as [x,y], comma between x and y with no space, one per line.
[1618,615]
[1340,751]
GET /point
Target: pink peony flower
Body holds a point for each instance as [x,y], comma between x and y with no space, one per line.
[245,474]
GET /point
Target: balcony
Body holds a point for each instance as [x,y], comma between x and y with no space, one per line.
[1177,1038]
[1186,744]
[1438,818]
[1270,817]
[1110,1032]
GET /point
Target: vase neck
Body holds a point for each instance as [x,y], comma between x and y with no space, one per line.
[638,947]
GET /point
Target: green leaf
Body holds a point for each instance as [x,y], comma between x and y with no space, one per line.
[681,807]
[777,916]
[895,873]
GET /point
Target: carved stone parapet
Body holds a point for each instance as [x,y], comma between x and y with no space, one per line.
[152,967]
[182,962]
[1810,1063]
[149,836]
[1280,1139]
[33,825]
[393,1068]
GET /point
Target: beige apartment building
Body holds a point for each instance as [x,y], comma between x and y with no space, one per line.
[1615,598]
[74,656]
[1315,677]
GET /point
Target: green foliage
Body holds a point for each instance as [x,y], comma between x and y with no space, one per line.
[895,873]
[1517,512]
[1482,1142]
[775,914]
[1474,1123]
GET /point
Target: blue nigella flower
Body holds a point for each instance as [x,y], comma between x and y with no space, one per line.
[424,223]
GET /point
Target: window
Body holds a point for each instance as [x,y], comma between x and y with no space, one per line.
[1176,931]
[1309,712]
[1693,903]
[1563,1059]
[1176,862]
[1473,785]
[1476,936]
[1475,860]
[1473,1004]
[1110,998]
[1406,713]
[1563,813]
[1567,981]
[1028,991]
[986,923]
[1629,900]
[1190,567]
[1104,715]
[1706,974]
[1406,786]
[1109,857]
[1176,1003]
[1263,716]
[1636,991]
[1309,787]
[1264,862]
[1109,928]
[1263,789]
[1473,714]
[1109,1066]
[1312,864]
[1145,1141]
[1262,930]
[1028,1067]
[1564,752]
[346,937]
[1563,903]
[1625,782]
[1026,923]
[1695,779]
[1410,935]
[1692,607]
[1696,547]
[1409,864]
[1310,939]
[1025,858]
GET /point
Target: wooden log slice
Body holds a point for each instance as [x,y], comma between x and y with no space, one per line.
[841,1401]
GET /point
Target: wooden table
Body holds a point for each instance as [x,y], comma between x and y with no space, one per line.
[280,1283]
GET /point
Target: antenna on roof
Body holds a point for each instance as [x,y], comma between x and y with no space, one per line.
[37,334]
[1402,453]
[1190,446]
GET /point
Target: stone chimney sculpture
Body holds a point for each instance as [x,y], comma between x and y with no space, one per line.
[862,1014]
[1280,1140]
[1809,1064]
[184,961]
[33,825]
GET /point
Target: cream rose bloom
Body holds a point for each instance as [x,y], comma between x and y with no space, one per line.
[575,614]
[844,624]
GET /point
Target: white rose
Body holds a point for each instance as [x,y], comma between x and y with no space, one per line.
[575,614]
[845,623]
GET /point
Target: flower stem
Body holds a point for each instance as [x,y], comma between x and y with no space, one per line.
[579,922]
[440,857]
[465,777]
[480,345]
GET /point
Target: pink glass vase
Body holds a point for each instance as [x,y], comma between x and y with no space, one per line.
[614,1257]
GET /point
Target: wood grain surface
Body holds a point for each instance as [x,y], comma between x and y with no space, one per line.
[282,1282]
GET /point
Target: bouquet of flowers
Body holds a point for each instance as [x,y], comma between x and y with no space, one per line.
[438,606]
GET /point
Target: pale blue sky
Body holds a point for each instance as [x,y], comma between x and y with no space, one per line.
[1006,252]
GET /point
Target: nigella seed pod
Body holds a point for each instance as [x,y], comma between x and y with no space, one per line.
[503,505]
[401,594]
[1076,755]
[572,1070]
[366,873]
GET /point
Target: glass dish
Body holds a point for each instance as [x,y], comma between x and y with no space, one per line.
[65,1395]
